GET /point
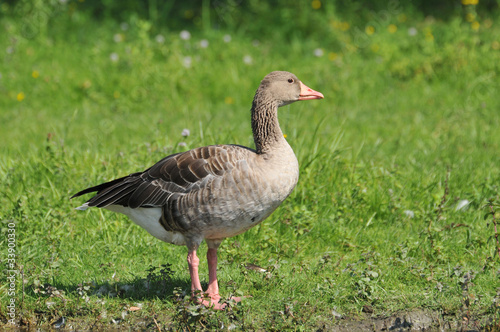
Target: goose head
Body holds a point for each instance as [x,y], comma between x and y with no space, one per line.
[285,88]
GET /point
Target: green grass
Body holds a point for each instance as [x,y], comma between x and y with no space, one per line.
[408,123]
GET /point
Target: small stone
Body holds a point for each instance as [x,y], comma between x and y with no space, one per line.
[462,205]
[409,213]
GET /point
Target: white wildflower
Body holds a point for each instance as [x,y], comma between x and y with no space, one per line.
[114,57]
[124,26]
[118,38]
[160,39]
[187,61]
[185,132]
[204,43]
[247,59]
[318,52]
[412,31]
[185,35]
[226,38]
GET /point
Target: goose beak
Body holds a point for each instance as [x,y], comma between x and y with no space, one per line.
[307,93]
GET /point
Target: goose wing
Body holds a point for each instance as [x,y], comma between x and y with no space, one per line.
[176,174]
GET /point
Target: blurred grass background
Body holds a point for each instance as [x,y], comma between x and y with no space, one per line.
[399,162]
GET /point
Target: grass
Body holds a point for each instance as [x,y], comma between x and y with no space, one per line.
[408,129]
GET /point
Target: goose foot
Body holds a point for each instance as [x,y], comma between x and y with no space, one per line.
[210,298]
[213,301]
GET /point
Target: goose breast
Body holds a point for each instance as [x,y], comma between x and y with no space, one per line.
[248,191]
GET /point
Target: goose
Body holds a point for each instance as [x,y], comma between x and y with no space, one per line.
[213,192]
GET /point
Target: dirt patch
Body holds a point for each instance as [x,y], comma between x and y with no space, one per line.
[415,320]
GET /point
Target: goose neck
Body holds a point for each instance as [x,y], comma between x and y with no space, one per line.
[266,129]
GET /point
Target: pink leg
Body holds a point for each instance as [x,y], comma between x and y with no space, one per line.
[194,262]
[213,287]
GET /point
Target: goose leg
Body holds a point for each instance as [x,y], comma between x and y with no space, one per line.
[212,292]
[213,286]
[194,262]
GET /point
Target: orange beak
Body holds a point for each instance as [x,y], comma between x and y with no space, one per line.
[307,93]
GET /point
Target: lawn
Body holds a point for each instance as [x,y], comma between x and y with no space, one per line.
[398,196]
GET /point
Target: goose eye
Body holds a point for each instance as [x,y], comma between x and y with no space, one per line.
[290,80]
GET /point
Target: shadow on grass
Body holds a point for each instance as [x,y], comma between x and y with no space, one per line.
[157,285]
[109,304]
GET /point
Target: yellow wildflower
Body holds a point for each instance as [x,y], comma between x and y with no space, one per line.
[344,26]
[428,34]
[370,30]
[35,74]
[284,135]
[470,17]
[332,56]
[116,94]
[392,28]
[375,48]
[402,18]
[316,4]
[495,45]
[475,25]
[229,100]
[20,96]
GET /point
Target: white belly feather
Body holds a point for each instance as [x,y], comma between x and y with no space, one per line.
[147,218]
